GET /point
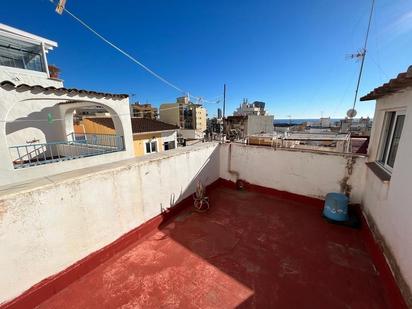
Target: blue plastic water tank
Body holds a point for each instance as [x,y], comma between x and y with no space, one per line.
[336,207]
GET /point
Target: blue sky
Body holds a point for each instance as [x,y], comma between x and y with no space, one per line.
[290,54]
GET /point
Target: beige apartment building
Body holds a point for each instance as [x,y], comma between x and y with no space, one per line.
[184,114]
[143,111]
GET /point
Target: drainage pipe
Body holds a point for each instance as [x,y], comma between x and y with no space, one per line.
[232,172]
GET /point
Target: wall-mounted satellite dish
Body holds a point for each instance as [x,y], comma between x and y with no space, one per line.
[351,113]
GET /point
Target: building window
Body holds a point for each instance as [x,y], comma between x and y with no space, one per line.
[151,146]
[21,55]
[169,145]
[391,135]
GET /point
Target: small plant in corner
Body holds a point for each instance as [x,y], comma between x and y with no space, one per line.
[201,201]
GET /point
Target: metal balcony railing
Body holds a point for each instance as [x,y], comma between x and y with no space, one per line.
[77,146]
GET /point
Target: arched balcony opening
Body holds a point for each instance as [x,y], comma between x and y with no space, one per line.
[53,134]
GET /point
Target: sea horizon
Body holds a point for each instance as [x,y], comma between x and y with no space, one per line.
[297,121]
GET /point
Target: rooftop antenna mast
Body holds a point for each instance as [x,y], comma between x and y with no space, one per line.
[361,55]
[60,7]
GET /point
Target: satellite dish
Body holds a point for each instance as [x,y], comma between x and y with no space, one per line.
[351,113]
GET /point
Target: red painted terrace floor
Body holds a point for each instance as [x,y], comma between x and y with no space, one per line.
[251,250]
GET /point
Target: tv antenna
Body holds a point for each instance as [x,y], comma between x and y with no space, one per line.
[360,55]
[60,7]
[351,113]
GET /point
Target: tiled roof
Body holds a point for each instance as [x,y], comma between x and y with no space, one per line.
[402,81]
[237,117]
[103,121]
[139,125]
[24,87]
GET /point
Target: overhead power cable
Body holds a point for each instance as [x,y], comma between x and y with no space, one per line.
[164,80]
[80,108]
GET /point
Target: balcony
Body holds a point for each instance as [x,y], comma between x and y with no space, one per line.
[77,146]
[125,234]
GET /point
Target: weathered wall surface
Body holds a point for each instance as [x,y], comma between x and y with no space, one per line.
[169,113]
[45,229]
[259,124]
[389,204]
[306,173]
[91,126]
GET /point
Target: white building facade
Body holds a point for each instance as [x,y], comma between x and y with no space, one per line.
[387,198]
[36,115]
[245,109]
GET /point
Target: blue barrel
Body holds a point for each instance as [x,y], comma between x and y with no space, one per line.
[336,207]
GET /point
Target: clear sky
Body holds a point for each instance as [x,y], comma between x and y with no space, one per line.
[290,54]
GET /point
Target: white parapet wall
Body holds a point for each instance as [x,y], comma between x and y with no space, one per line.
[51,223]
[301,172]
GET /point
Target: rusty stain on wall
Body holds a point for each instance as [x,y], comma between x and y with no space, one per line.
[345,187]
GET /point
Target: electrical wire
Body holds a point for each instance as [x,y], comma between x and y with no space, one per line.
[112,116]
[153,73]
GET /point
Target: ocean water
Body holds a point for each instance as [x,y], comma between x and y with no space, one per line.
[300,121]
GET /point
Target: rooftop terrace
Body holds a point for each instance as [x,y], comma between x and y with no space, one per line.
[250,250]
[124,234]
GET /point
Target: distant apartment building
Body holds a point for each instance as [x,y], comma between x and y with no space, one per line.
[357,127]
[184,114]
[143,111]
[219,113]
[215,125]
[95,111]
[149,135]
[240,127]
[324,141]
[256,108]
[248,119]
[323,122]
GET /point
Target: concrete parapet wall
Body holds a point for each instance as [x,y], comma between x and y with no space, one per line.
[49,224]
[302,172]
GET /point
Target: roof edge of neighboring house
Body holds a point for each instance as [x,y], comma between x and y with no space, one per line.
[401,82]
[8,85]
[139,125]
[161,131]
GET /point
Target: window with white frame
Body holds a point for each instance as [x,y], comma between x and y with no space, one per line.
[151,146]
[391,135]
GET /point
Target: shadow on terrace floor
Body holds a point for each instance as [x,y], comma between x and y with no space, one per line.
[250,250]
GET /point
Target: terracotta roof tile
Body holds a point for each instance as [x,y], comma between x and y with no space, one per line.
[9,85]
[139,125]
[402,81]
